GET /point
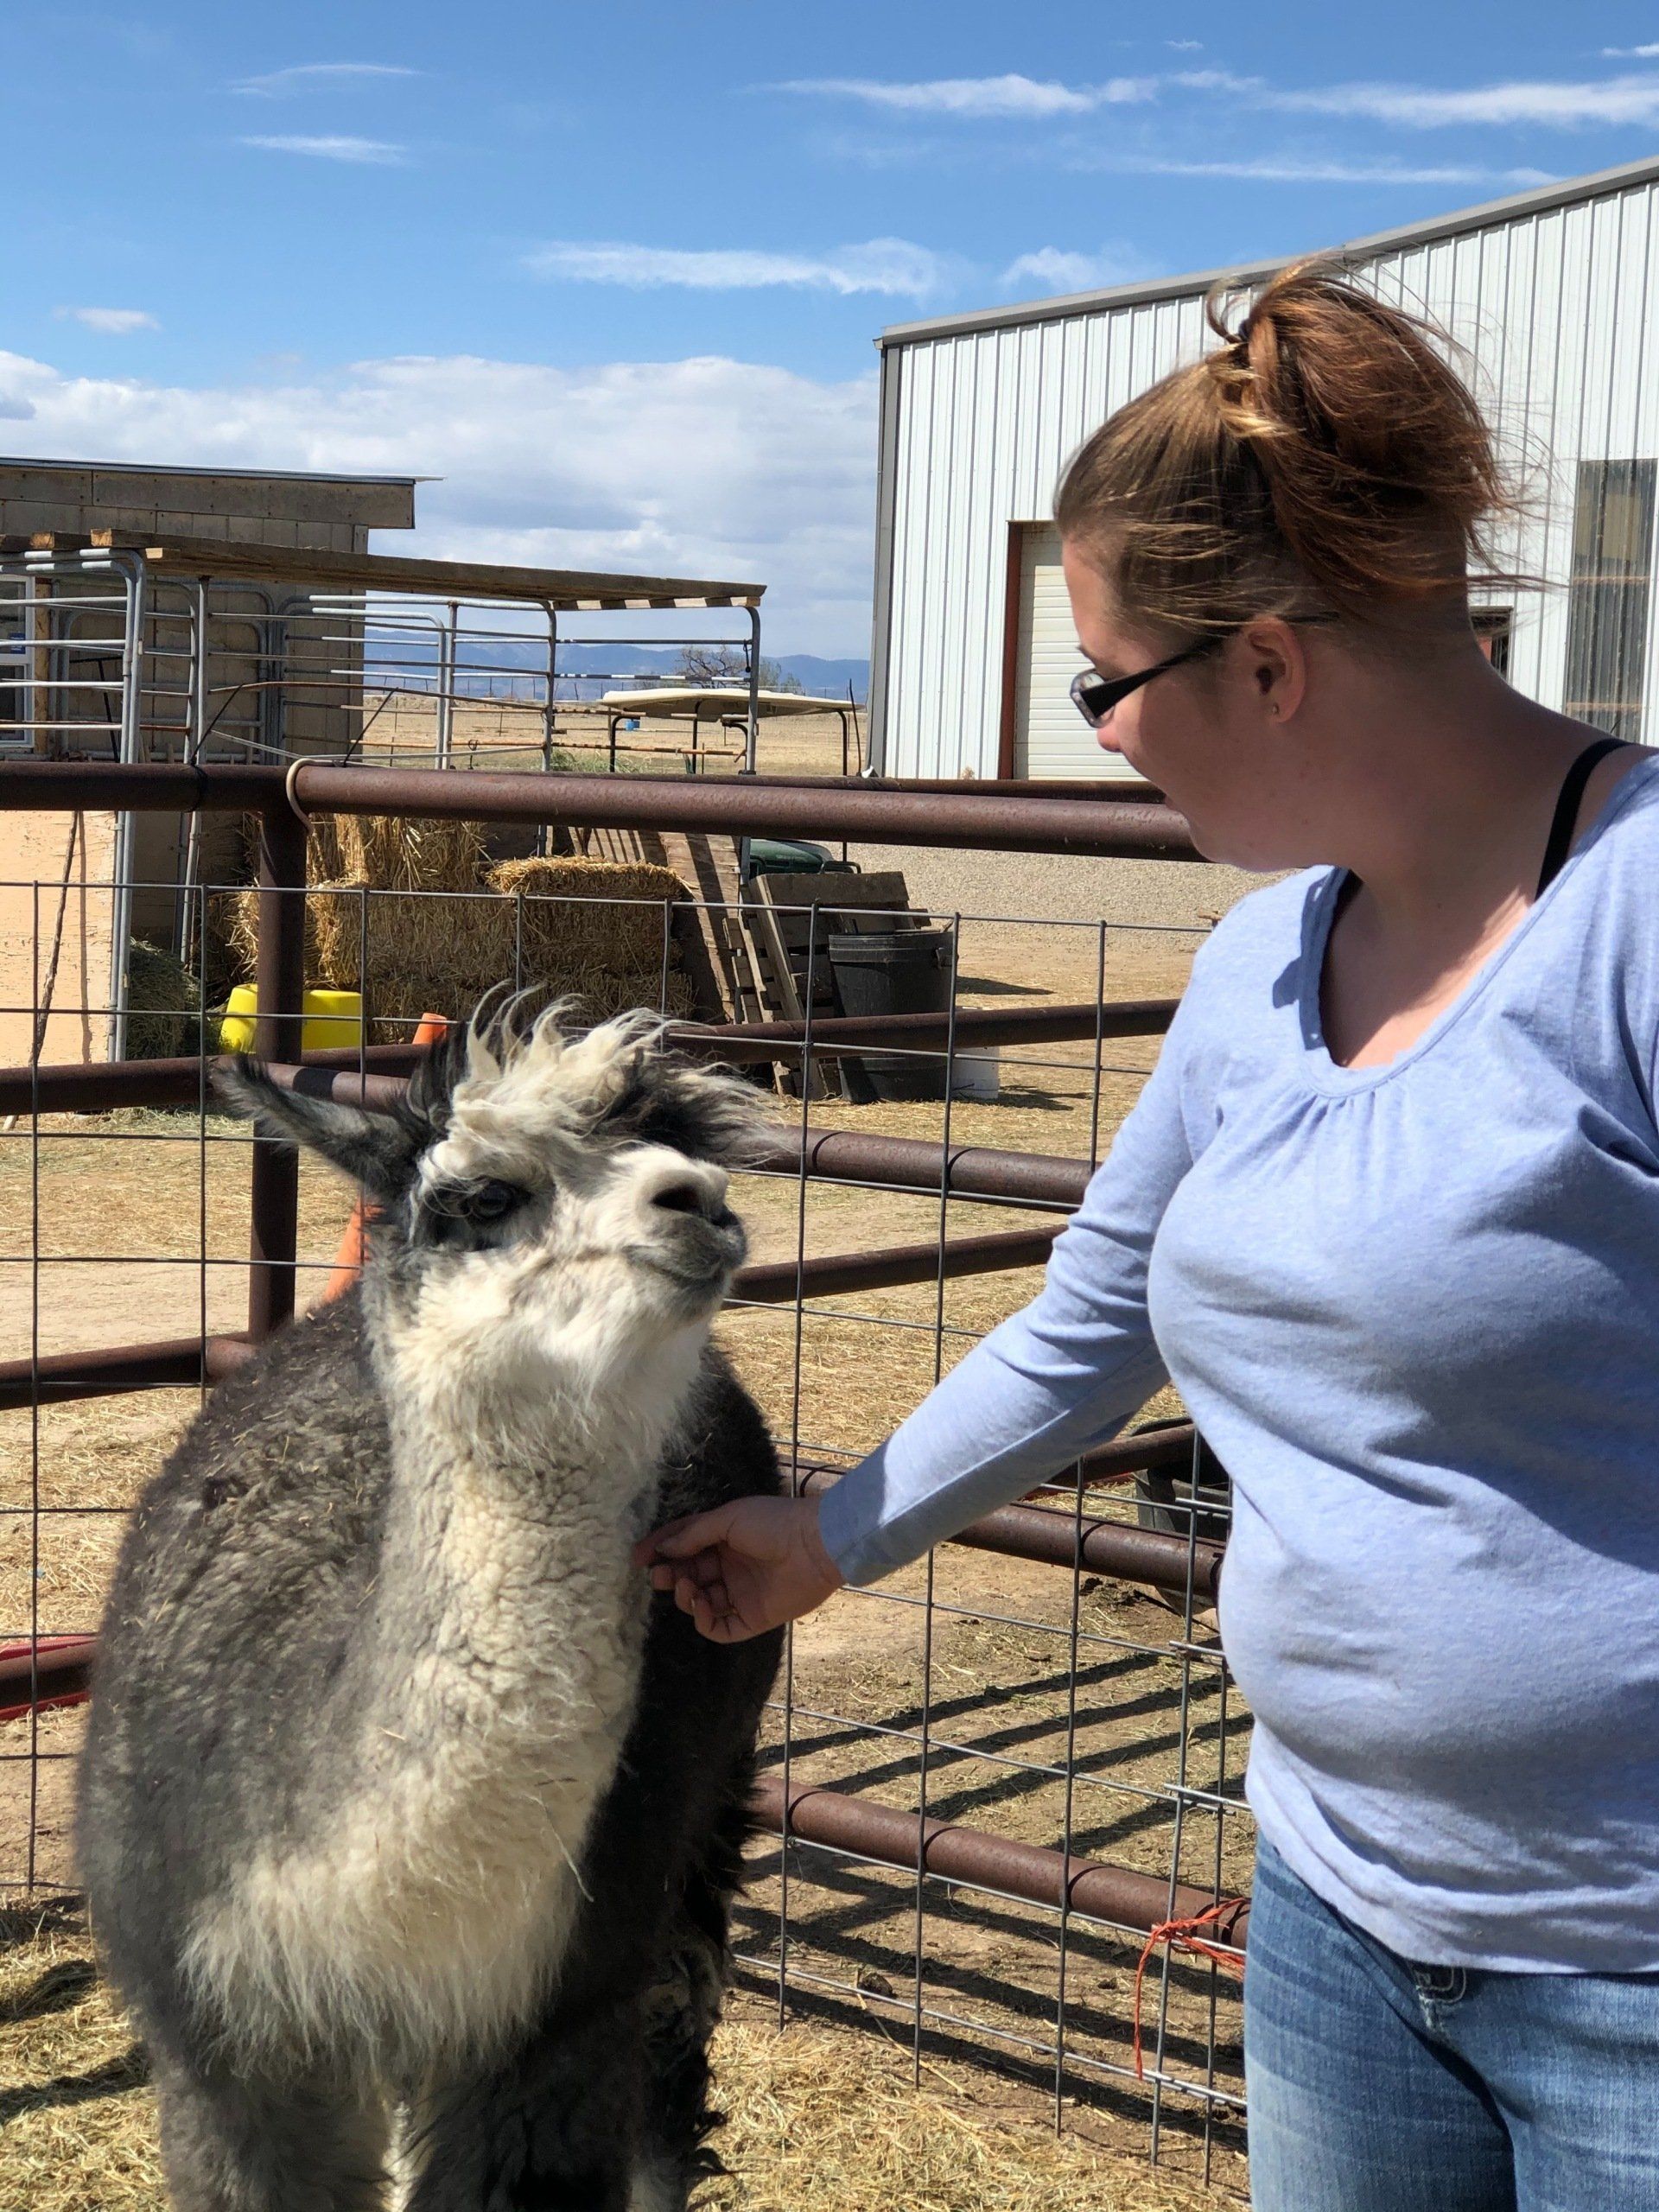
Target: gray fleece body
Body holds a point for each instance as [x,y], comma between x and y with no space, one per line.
[402,1798]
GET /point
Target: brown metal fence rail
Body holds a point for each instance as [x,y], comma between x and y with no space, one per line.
[893,1822]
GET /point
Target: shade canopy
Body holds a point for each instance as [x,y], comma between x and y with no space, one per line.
[714,699]
[574,590]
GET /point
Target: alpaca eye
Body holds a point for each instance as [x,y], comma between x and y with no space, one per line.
[491,1201]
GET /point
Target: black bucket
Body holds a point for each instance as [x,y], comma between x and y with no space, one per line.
[1171,1500]
[893,971]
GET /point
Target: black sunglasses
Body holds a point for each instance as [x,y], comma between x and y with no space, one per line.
[1094,695]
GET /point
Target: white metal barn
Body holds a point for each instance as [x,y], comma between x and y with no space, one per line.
[1554,293]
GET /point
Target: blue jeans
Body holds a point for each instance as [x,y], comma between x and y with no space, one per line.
[1377,2085]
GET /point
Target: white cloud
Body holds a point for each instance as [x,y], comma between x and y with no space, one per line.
[1550,104]
[1054,269]
[376,151]
[1185,45]
[702,467]
[890,266]
[1555,105]
[306,76]
[113,322]
[978,97]
[1295,168]
[1629,53]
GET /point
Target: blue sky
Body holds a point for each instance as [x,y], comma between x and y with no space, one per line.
[613,272]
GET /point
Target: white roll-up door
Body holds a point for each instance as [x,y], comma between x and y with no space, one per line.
[1050,736]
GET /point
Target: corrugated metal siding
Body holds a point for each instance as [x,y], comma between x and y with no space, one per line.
[1555,308]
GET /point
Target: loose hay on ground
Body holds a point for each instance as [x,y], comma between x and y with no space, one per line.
[814,2118]
[77,2122]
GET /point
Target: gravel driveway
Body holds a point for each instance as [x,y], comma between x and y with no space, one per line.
[1043,887]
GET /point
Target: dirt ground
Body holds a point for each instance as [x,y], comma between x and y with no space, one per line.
[142,1234]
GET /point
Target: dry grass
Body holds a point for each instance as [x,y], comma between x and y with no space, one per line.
[814,2117]
[838,2122]
[76,2124]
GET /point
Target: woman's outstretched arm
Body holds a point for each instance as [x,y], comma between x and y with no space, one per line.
[1049,1384]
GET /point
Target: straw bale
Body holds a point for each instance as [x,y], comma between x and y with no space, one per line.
[377,852]
[591,930]
[595,929]
[422,952]
[396,853]
[582,913]
[163,1009]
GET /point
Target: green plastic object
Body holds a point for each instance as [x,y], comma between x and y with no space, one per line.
[794,856]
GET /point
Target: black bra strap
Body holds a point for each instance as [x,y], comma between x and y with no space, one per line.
[1567,808]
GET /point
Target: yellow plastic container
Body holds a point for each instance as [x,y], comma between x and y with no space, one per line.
[334,1020]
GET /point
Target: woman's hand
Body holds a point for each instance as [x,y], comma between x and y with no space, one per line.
[743,1568]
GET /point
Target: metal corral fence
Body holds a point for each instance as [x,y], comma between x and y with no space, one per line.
[1003,1787]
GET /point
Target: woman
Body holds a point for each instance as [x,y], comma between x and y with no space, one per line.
[1387,1213]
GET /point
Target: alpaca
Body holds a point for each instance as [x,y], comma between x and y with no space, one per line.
[409,1822]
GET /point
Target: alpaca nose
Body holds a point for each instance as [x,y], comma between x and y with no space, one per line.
[684,1189]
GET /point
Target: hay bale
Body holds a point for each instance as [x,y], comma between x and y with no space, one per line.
[590,930]
[595,930]
[396,853]
[566,924]
[408,952]
[163,1004]
[377,852]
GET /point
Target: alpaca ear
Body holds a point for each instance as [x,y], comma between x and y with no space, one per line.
[380,1151]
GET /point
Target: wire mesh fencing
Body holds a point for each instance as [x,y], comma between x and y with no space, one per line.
[1000,1804]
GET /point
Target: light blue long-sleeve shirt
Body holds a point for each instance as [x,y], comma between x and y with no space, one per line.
[1415,1310]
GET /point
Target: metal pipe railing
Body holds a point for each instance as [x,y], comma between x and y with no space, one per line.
[1118,1895]
[113,1369]
[1084,828]
[78,1087]
[279,984]
[1028,1179]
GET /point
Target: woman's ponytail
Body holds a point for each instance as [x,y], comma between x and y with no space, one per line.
[1324,454]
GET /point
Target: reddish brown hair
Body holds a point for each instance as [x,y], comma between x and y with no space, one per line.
[1323,458]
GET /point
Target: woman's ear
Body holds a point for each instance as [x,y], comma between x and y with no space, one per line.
[1277,665]
[378,1151]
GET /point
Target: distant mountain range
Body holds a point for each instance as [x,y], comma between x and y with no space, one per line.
[586,671]
[825,679]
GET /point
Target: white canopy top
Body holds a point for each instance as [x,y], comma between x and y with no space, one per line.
[714,699]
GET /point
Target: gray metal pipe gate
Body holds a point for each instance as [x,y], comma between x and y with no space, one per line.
[988,819]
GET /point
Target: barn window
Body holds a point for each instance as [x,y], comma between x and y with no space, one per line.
[1607,600]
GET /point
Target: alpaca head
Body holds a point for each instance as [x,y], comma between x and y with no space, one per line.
[551,1208]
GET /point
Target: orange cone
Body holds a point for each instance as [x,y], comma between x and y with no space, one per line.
[348,1261]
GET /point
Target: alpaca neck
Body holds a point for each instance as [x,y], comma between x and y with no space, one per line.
[510,1516]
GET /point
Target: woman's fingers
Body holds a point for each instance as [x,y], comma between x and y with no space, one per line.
[743,1567]
[651,1548]
[689,1595]
[693,1532]
[702,1567]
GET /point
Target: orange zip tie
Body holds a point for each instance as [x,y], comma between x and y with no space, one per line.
[1178,1934]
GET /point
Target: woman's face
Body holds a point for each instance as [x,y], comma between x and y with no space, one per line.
[1214,734]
